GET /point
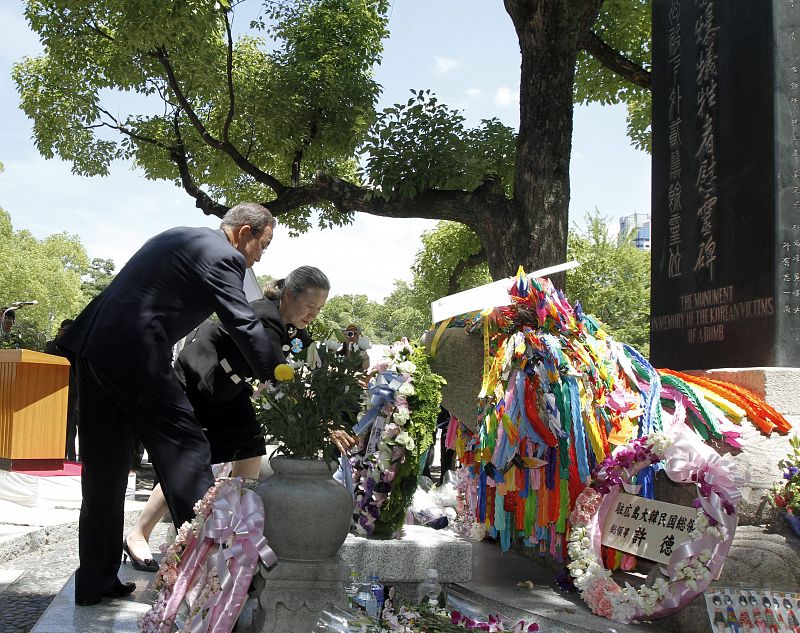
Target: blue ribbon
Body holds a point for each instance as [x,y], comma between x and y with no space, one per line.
[382,393]
[577,427]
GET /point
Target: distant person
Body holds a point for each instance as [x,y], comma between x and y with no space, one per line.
[121,345]
[446,455]
[214,374]
[8,317]
[51,347]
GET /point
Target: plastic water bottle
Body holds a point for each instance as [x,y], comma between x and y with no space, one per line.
[351,588]
[366,598]
[429,590]
[377,590]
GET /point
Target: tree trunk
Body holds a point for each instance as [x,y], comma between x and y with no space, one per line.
[534,234]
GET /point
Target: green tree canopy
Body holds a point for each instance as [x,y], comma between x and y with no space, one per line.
[399,317]
[451,259]
[280,112]
[48,271]
[612,282]
[343,310]
[97,277]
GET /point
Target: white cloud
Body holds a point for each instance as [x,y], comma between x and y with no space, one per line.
[445,64]
[473,93]
[505,96]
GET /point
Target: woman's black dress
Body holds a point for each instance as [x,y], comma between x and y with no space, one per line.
[213,373]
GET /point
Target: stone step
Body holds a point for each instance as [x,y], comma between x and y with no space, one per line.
[493,588]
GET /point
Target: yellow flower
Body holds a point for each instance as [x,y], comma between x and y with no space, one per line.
[284,372]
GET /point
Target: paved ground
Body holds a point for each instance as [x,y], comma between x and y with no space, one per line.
[29,583]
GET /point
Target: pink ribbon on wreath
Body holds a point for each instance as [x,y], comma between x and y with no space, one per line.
[237,516]
[689,460]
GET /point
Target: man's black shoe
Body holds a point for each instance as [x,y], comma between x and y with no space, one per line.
[119,591]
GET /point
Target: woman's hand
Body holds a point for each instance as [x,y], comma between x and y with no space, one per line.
[343,440]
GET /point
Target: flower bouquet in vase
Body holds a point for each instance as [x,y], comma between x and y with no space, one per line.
[316,395]
[785,495]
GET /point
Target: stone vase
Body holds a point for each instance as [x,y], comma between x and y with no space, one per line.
[307,514]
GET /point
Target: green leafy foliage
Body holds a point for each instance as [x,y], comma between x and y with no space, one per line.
[398,316]
[301,409]
[48,271]
[612,282]
[97,277]
[423,144]
[625,25]
[442,249]
[343,310]
[301,79]
[424,406]
[785,495]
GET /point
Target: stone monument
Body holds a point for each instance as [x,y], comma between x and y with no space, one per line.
[726,185]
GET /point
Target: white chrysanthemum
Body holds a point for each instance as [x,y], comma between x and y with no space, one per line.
[400,417]
[407,367]
[406,389]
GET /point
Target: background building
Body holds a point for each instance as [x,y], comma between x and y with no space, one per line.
[640,223]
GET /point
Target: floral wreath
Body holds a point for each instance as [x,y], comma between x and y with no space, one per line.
[693,564]
[389,442]
[210,564]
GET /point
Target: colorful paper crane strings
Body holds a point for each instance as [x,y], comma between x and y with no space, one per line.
[558,395]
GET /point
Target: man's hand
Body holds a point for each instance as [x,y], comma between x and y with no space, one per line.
[343,441]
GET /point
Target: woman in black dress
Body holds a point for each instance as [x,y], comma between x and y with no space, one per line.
[213,373]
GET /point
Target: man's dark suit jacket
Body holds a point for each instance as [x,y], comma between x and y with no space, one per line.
[200,363]
[174,282]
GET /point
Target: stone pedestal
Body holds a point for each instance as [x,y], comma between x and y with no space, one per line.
[403,561]
[293,594]
[778,386]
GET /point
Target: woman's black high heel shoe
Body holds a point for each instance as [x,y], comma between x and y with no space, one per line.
[148,564]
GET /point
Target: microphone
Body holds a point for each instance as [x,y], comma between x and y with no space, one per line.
[18,304]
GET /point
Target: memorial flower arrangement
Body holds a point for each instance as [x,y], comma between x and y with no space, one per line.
[205,574]
[396,428]
[429,619]
[692,564]
[785,495]
[317,391]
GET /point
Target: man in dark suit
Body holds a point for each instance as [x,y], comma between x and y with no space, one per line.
[121,345]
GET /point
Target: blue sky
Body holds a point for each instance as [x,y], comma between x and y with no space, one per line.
[463,50]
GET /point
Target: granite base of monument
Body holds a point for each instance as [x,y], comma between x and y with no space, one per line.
[778,386]
[758,559]
[403,561]
[293,594]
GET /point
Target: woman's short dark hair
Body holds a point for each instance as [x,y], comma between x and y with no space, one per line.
[298,281]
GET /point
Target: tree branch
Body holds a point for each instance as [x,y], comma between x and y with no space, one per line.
[229,72]
[461,266]
[130,133]
[203,201]
[223,146]
[614,61]
[470,208]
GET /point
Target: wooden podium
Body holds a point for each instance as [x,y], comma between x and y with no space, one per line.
[33,410]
